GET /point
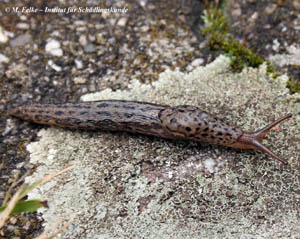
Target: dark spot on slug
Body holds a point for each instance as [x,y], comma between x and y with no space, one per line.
[105,122]
[188,129]
[103,113]
[168,128]
[91,122]
[145,117]
[204,135]
[42,117]
[26,116]
[173,121]
[127,115]
[205,130]
[128,107]
[155,125]
[146,109]
[59,113]
[17,112]
[102,105]
[47,105]
[219,133]
[83,113]
[80,106]
[74,120]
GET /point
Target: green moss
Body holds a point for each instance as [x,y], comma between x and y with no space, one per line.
[293,86]
[219,39]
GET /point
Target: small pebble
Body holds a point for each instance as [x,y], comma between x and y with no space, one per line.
[8,127]
[275,45]
[253,17]
[270,8]
[83,40]
[236,12]
[53,47]
[3,36]
[3,59]
[22,25]
[89,47]
[145,28]
[79,80]
[21,40]
[78,63]
[54,66]
[296,4]
[79,23]
[122,22]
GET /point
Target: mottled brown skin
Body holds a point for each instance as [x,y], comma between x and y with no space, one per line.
[179,122]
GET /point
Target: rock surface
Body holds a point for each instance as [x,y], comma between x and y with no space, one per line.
[136,186]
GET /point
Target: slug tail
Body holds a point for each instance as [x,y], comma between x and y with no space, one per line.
[253,140]
[17,112]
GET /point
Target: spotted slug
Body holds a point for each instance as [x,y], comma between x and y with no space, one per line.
[179,122]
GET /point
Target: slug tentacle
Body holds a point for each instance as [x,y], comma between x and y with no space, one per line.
[253,140]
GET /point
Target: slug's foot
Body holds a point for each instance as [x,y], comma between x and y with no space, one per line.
[253,140]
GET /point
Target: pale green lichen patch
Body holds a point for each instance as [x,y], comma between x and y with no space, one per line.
[134,186]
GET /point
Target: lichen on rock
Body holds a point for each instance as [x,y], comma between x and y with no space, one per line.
[138,186]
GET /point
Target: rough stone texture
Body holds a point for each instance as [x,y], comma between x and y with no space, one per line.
[271,29]
[134,186]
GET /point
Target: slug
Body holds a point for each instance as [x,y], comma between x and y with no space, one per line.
[179,122]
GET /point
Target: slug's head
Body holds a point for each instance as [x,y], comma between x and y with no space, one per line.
[253,140]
